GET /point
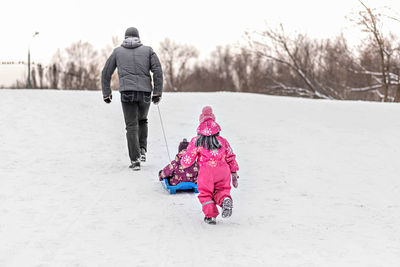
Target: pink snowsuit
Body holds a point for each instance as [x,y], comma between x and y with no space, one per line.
[215,168]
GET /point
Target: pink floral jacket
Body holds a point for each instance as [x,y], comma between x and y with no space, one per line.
[212,158]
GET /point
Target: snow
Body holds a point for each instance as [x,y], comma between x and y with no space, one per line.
[319,183]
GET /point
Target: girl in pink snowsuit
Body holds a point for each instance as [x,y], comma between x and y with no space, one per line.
[216,166]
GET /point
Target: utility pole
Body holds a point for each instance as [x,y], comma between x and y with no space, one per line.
[397,96]
[29,86]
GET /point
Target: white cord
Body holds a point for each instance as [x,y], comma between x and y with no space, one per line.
[162,126]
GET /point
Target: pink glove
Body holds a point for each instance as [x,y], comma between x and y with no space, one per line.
[235,178]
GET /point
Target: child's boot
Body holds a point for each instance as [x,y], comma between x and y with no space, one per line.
[227,207]
[210,220]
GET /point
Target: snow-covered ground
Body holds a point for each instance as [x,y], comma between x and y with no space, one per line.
[319,183]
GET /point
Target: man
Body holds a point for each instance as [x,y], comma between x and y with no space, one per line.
[134,62]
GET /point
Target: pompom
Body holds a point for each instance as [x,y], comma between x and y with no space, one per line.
[206,114]
[207,110]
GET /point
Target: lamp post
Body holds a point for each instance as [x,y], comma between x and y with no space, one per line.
[29,62]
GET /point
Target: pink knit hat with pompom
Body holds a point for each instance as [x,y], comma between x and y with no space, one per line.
[208,126]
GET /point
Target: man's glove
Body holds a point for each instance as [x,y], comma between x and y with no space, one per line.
[156,99]
[107,98]
[235,178]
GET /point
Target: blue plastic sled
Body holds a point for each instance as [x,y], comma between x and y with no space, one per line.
[181,186]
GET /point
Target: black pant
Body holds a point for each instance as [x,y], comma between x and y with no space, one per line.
[135,113]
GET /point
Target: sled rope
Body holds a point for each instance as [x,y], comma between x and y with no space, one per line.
[162,126]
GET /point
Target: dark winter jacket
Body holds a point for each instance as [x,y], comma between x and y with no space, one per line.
[176,174]
[134,62]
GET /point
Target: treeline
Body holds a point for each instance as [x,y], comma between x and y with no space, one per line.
[279,64]
[78,67]
[272,62]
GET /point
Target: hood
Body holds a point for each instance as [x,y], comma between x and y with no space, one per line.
[131,42]
[208,127]
[183,145]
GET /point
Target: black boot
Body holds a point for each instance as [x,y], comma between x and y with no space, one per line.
[143,155]
[135,165]
[210,220]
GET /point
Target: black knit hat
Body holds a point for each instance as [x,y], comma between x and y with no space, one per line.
[183,145]
[131,32]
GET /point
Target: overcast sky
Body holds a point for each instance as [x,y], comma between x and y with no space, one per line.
[204,24]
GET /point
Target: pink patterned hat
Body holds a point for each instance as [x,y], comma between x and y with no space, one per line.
[208,126]
[206,114]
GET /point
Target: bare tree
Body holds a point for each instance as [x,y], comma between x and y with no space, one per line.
[397,96]
[334,66]
[82,66]
[55,71]
[221,67]
[53,76]
[251,71]
[176,59]
[33,75]
[366,68]
[40,74]
[298,57]
[104,54]
[242,68]
[69,76]
[371,22]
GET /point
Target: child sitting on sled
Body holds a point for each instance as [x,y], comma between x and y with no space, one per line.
[217,165]
[175,173]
